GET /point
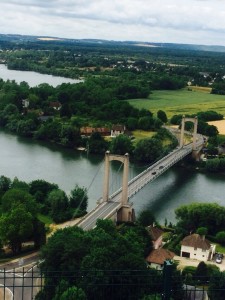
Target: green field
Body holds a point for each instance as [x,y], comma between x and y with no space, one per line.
[181,102]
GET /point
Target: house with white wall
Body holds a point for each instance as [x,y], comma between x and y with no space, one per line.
[195,246]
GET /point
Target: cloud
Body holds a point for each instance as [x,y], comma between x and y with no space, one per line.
[144,20]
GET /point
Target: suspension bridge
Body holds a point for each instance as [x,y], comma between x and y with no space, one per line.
[117,205]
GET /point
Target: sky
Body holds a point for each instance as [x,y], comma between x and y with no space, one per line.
[164,21]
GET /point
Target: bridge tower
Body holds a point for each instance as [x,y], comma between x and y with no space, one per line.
[194,120]
[126,212]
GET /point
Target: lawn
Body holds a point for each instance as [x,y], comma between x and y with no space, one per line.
[45,219]
[141,134]
[181,101]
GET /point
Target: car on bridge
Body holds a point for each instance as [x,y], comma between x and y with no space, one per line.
[161,167]
[153,173]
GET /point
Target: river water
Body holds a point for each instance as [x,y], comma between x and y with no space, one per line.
[29,160]
[33,78]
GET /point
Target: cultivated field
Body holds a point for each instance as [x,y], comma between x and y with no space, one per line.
[220,126]
[182,101]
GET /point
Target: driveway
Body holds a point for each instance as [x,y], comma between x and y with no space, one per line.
[184,262]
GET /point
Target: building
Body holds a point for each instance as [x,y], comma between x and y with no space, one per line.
[55,105]
[87,131]
[117,130]
[156,234]
[157,257]
[198,247]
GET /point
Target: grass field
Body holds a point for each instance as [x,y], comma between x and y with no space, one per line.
[141,134]
[182,101]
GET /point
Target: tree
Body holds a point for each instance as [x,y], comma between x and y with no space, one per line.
[111,256]
[146,218]
[15,197]
[59,206]
[220,236]
[78,198]
[96,143]
[132,123]
[15,227]
[202,231]
[73,293]
[146,123]
[148,150]
[121,145]
[201,273]
[5,183]
[217,286]
[162,116]
[195,215]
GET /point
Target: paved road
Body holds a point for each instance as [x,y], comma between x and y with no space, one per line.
[21,278]
[102,211]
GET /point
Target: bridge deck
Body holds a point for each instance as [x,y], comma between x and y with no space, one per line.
[107,209]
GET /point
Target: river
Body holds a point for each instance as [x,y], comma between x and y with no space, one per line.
[33,78]
[29,160]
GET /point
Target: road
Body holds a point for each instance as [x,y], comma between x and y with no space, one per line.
[21,278]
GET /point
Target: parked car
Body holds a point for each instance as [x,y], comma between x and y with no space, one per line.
[219,258]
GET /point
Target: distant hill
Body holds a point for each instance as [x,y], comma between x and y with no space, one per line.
[16,38]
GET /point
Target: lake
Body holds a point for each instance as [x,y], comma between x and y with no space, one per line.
[33,78]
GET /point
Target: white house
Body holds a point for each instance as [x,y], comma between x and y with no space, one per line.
[198,247]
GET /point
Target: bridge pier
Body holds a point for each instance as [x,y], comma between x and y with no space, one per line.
[126,214]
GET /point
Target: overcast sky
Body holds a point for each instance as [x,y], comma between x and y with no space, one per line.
[173,21]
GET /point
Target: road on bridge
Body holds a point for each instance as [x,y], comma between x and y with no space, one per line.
[107,209]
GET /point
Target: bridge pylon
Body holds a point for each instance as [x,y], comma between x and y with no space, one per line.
[125,213]
[195,121]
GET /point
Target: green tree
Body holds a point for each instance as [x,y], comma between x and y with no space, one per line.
[5,183]
[162,116]
[73,293]
[78,198]
[201,273]
[220,236]
[96,143]
[202,231]
[195,215]
[148,150]
[59,206]
[217,286]
[111,256]
[14,197]
[15,227]
[121,145]
[146,218]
